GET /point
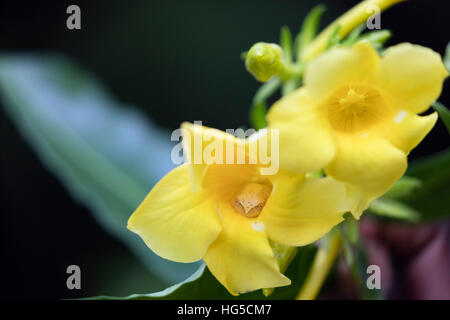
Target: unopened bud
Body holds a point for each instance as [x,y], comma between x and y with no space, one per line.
[264,60]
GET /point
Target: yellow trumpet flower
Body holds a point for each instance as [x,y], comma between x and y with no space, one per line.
[356,116]
[226,212]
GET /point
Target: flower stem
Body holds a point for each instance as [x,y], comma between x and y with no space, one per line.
[347,22]
[323,261]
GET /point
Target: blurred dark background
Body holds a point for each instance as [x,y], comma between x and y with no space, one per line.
[179,61]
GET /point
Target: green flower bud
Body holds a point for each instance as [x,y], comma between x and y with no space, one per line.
[264,60]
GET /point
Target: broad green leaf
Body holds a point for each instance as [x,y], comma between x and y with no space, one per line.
[444,114]
[309,28]
[106,154]
[203,286]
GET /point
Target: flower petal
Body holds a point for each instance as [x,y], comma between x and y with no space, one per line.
[411,76]
[176,223]
[340,66]
[368,166]
[301,211]
[305,138]
[241,258]
[406,130]
[223,181]
[203,146]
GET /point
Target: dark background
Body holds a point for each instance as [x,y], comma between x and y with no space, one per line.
[177,60]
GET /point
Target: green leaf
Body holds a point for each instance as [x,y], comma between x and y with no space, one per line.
[258,115]
[106,154]
[309,28]
[422,194]
[335,38]
[203,286]
[258,109]
[356,259]
[444,114]
[447,57]
[432,198]
[391,208]
[354,35]
[403,188]
[377,38]
[284,255]
[359,272]
[350,227]
[244,55]
[290,85]
[286,43]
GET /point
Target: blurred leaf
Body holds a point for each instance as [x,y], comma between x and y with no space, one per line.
[350,227]
[377,38]
[107,155]
[309,28]
[284,255]
[432,198]
[403,188]
[359,272]
[391,208]
[444,114]
[334,38]
[356,259]
[244,55]
[258,115]
[420,195]
[286,43]
[203,286]
[447,57]
[258,109]
[354,35]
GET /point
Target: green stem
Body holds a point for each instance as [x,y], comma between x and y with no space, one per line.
[323,261]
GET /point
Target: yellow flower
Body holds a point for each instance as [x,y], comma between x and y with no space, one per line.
[356,116]
[226,213]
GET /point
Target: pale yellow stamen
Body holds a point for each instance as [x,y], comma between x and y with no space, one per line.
[251,199]
[354,108]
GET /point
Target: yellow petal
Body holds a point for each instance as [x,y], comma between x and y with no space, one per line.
[241,258]
[224,181]
[340,66]
[176,223]
[411,76]
[406,130]
[301,211]
[368,166]
[203,146]
[306,142]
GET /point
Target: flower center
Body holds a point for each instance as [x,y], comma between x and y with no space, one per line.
[355,107]
[251,199]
